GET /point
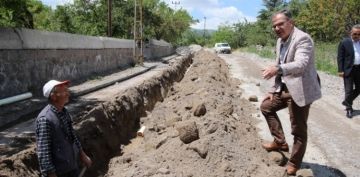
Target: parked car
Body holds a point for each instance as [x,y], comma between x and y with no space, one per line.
[222,48]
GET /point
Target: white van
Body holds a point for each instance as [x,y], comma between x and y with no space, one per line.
[222,48]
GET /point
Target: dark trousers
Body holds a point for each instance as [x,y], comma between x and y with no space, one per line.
[73,173]
[349,82]
[298,118]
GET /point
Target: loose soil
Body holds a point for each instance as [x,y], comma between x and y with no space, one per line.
[228,143]
[202,94]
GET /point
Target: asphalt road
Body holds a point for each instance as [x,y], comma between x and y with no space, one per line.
[334,142]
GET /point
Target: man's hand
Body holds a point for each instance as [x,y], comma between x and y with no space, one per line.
[341,74]
[85,159]
[269,72]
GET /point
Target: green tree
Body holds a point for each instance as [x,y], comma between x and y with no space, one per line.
[264,17]
[62,20]
[173,23]
[41,14]
[15,13]
[191,36]
[255,35]
[89,17]
[329,20]
[225,33]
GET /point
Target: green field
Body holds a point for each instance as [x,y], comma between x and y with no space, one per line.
[325,55]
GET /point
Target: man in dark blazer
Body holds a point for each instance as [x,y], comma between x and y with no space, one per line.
[295,86]
[349,67]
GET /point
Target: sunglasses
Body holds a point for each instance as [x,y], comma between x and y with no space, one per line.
[355,34]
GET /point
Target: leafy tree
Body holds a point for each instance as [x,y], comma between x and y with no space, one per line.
[15,13]
[41,14]
[329,20]
[62,20]
[255,35]
[296,6]
[173,23]
[225,33]
[191,36]
[89,17]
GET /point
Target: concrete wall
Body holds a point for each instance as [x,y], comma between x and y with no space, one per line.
[29,58]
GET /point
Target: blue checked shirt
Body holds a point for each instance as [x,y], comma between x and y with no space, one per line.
[43,136]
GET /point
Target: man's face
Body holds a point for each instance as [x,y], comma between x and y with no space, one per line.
[282,26]
[61,94]
[355,34]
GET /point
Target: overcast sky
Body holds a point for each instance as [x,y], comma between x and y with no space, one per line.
[217,12]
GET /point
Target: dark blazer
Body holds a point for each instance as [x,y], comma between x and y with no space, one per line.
[63,154]
[345,56]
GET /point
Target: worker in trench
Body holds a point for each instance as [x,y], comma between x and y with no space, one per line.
[58,148]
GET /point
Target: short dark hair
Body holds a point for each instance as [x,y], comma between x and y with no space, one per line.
[357,26]
[286,12]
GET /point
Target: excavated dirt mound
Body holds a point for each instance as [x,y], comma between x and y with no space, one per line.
[202,128]
[196,125]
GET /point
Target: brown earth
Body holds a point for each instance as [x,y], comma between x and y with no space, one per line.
[228,143]
[196,125]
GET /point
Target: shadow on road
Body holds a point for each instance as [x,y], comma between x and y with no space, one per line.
[356,113]
[323,170]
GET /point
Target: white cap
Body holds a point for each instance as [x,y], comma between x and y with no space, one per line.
[50,85]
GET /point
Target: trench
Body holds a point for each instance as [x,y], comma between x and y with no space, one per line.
[112,124]
[107,127]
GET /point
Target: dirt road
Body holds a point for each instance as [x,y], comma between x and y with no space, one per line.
[201,125]
[333,145]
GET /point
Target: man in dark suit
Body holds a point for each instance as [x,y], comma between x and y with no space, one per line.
[349,67]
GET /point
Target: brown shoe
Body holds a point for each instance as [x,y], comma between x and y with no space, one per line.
[291,170]
[273,146]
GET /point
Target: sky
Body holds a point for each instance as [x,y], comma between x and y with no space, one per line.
[210,13]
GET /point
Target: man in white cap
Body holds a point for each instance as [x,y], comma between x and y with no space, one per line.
[58,148]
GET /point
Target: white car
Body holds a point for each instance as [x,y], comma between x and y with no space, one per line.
[222,48]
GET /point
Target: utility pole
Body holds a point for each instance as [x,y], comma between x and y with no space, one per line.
[109,18]
[138,33]
[175,3]
[204,31]
[204,26]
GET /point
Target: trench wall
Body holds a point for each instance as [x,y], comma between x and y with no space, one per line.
[109,125]
[29,58]
[115,122]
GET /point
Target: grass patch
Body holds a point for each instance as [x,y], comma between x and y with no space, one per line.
[265,52]
[325,55]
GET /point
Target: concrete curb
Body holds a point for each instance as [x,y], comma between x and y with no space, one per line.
[77,93]
[33,106]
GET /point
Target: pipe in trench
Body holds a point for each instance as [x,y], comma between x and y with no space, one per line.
[16,98]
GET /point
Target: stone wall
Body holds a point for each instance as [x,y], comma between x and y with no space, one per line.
[29,58]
